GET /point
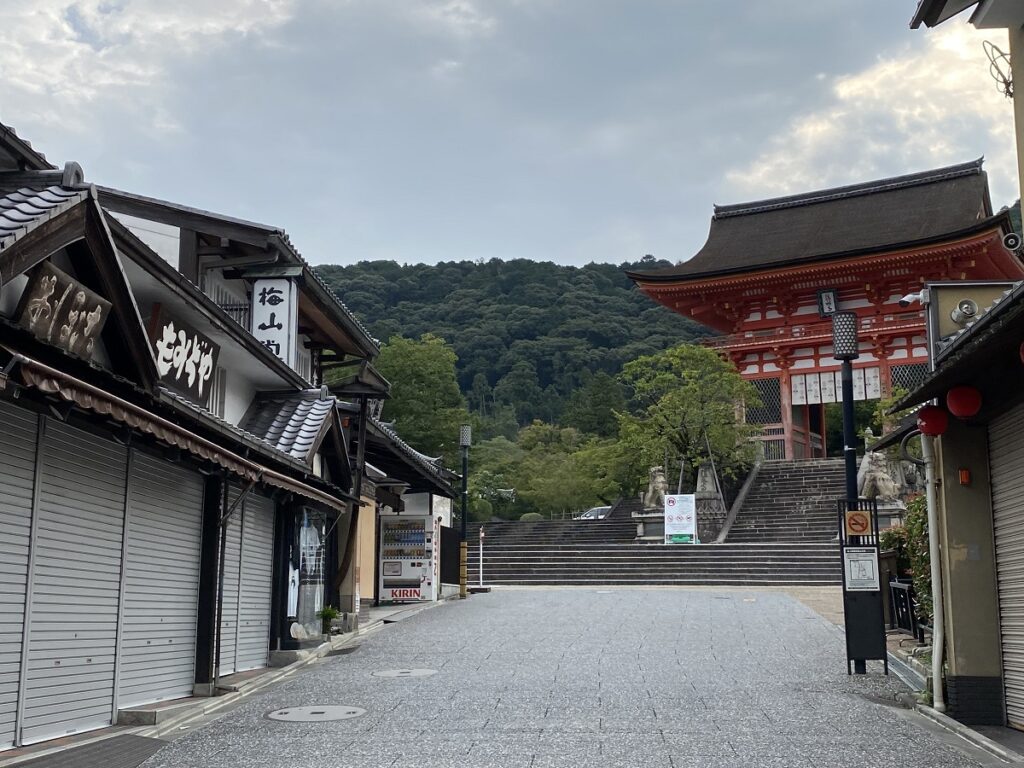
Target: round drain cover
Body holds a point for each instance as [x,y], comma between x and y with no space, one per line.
[315,714]
[405,673]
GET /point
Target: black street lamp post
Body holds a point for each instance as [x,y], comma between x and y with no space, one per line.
[465,439]
[845,347]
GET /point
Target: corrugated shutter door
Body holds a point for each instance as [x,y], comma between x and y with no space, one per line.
[229,608]
[165,515]
[1006,458]
[17,469]
[76,583]
[256,583]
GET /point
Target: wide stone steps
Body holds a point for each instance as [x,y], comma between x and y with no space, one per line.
[791,501]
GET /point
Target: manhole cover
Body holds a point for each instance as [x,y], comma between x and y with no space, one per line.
[405,673]
[315,714]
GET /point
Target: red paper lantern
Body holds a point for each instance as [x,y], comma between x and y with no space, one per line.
[963,402]
[932,420]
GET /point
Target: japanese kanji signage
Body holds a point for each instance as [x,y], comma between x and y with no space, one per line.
[681,519]
[185,358]
[274,309]
[58,309]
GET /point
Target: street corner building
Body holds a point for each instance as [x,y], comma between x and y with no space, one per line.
[177,482]
[772,273]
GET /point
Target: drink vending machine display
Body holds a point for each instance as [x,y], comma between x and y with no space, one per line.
[408,557]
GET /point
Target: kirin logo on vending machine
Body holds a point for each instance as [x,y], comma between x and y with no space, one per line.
[397,594]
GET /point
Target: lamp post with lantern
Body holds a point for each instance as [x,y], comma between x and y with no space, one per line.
[846,348]
[465,439]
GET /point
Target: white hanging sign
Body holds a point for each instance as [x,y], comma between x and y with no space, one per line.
[274,316]
[681,519]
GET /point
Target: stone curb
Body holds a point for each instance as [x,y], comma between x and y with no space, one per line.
[216,703]
[969,734]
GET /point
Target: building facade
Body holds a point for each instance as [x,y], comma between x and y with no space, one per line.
[176,481]
[772,272]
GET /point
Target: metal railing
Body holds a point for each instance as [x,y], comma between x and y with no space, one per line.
[238,312]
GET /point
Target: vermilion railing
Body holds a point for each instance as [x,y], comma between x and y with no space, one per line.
[817,331]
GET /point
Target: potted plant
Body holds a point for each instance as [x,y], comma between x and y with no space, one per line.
[327,614]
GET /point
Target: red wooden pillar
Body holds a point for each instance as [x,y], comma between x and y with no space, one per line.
[786,395]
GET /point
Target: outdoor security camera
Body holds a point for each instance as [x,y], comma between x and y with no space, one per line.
[912,298]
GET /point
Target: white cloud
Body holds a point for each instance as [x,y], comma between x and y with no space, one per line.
[59,56]
[462,18]
[905,113]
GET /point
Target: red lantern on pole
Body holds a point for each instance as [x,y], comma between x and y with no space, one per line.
[932,420]
[963,402]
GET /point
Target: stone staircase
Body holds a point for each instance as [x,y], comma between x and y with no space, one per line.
[792,502]
[604,553]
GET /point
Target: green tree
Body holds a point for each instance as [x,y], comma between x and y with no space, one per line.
[592,407]
[685,399]
[426,405]
[521,389]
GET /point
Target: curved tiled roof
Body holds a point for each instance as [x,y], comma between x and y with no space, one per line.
[293,423]
[24,209]
[876,216]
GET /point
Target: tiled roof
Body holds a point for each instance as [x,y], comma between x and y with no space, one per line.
[23,210]
[20,152]
[274,234]
[293,423]
[839,222]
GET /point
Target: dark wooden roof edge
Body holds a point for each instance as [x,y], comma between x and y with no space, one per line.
[1001,219]
[931,13]
[964,346]
[28,157]
[852,190]
[177,282]
[250,232]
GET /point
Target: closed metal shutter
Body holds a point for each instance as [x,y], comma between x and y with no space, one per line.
[164,533]
[256,583]
[76,583]
[1006,459]
[18,429]
[228,636]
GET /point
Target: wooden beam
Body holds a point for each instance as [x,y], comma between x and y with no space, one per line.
[184,218]
[188,254]
[43,241]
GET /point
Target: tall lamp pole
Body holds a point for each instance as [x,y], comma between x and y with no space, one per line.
[465,439]
[846,348]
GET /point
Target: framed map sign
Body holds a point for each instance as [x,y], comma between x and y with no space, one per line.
[185,358]
[59,310]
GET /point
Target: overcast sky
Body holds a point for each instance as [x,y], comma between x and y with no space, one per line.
[429,130]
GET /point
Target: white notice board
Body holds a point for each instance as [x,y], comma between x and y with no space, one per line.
[861,567]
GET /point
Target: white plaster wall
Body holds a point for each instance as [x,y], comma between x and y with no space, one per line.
[443,509]
[417,503]
[238,395]
[162,238]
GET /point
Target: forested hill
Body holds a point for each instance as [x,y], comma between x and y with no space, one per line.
[534,330]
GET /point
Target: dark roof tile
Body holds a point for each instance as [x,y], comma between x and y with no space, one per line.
[832,223]
[292,423]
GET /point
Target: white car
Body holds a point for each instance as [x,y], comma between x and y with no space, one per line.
[594,513]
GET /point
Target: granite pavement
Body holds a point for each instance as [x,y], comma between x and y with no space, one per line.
[582,678]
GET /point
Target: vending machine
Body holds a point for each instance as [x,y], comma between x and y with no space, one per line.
[409,548]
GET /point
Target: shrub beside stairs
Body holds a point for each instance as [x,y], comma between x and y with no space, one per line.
[784,535]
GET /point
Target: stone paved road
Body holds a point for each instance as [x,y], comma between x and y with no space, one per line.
[581,678]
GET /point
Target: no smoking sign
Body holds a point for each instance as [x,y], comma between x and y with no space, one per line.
[858,523]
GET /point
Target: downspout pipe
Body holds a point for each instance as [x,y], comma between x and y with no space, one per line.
[934,554]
